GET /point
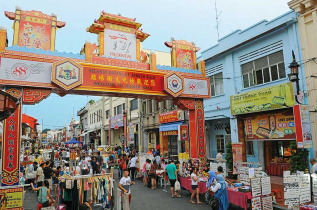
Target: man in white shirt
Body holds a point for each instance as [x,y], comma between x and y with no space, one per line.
[314,166]
[132,166]
[39,175]
[90,152]
[124,185]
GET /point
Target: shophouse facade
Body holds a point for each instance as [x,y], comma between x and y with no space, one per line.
[247,68]
[307,24]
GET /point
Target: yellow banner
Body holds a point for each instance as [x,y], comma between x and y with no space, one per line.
[270,98]
[14,198]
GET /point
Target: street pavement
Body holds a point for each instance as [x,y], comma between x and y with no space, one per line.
[143,198]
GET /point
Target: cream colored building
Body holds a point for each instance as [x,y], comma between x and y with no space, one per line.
[307,24]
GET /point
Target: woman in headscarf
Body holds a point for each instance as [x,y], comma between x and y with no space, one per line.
[212,176]
[220,190]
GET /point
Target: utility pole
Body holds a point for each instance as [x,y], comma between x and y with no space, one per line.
[217,18]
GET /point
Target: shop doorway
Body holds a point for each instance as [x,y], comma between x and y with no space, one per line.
[172,145]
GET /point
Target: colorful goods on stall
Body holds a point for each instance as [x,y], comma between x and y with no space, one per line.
[75,190]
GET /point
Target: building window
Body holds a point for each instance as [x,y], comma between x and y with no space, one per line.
[216,84]
[220,143]
[134,104]
[119,109]
[107,114]
[144,107]
[152,140]
[173,105]
[150,106]
[123,107]
[263,70]
[249,146]
[157,106]
[114,111]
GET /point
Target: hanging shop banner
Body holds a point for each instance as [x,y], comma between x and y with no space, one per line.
[237,150]
[278,126]
[270,98]
[14,198]
[116,79]
[183,132]
[11,144]
[200,129]
[303,126]
[119,44]
[131,133]
[117,121]
[173,116]
[35,30]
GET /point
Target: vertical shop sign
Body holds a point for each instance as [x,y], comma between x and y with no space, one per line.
[200,128]
[237,156]
[303,126]
[11,144]
[131,133]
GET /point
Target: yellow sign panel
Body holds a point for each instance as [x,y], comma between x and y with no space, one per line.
[270,98]
[14,197]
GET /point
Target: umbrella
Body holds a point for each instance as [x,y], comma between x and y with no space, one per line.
[73,141]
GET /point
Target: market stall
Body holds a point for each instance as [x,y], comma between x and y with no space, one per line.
[186,184]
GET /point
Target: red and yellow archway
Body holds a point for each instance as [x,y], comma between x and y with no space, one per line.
[115,66]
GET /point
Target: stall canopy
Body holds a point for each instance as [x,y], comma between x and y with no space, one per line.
[73,141]
[170,126]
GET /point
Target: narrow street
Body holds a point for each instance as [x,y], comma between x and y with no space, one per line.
[143,198]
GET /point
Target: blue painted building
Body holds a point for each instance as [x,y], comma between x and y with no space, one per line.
[243,61]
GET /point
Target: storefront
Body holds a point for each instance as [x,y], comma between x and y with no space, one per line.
[266,126]
[173,134]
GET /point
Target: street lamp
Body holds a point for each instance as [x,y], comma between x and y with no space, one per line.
[293,76]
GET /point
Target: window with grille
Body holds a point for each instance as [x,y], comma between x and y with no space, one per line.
[119,109]
[107,114]
[220,143]
[263,70]
[144,107]
[216,84]
[134,104]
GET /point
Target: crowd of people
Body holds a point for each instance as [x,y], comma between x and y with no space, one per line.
[86,161]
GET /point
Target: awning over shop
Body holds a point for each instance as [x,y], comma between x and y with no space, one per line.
[170,126]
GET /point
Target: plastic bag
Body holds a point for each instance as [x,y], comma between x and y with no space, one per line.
[177,185]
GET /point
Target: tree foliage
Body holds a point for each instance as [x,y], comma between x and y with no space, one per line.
[229,156]
[299,158]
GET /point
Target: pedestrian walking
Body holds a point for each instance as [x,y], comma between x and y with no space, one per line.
[172,175]
[94,165]
[152,174]
[194,180]
[132,166]
[125,184]
[39,175]
[48,173]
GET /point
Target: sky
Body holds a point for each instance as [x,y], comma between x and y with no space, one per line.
[191,20]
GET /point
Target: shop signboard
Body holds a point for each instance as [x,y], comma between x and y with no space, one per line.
[270,98]
[173,116]
[14,198]
[303,126]
[277,126]
[183,132]
[237,156]
[117,121]
[169,133]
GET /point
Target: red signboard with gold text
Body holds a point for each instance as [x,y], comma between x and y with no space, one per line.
[200,129]
[11,149]
[35,31]
[173,116]
[122,80]
[183,132]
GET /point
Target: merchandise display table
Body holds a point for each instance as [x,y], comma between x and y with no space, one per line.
[187,184]
[239,198]
[276,169]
